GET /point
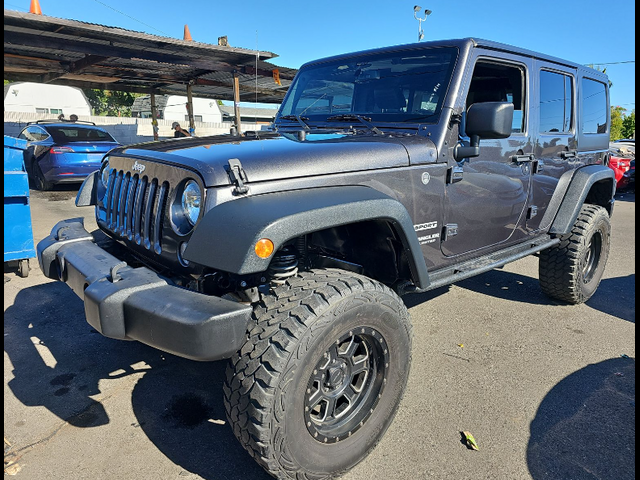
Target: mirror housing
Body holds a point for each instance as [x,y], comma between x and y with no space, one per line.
[488,120]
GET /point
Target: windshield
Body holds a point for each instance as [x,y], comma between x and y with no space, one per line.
[70,133]
[401,86]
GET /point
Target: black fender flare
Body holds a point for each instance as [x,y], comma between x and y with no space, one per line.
[572,191]
[225,237]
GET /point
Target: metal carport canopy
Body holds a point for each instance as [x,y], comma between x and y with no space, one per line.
[43,49]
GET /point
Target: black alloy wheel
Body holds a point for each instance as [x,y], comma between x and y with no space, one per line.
[346,385]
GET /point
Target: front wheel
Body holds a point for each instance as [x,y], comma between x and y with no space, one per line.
[571,270]
[321,374]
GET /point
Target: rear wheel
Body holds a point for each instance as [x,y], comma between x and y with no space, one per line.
[321,375]
[571,270]
[39,179]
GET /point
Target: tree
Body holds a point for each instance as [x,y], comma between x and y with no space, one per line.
[616,123]
[112,103]
[629,125]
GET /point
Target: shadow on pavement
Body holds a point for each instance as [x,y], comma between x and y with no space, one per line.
[59,362]
[625,196]
[615,296]
[585,426]
[416,299]
[59,193]
[180,409]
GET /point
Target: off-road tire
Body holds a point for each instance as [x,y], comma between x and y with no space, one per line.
[268,383]
[571,270]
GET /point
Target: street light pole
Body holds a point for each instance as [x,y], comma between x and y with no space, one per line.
[416,9]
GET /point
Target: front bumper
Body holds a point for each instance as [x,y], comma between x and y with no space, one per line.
[138,304]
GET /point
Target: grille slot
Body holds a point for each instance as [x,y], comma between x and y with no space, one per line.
[134,208]
[137,209]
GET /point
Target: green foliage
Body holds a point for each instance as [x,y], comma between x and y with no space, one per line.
[111,103]
[616,123]
[622,125]
[629,125]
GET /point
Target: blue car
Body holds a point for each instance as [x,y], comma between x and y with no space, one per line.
[63,152]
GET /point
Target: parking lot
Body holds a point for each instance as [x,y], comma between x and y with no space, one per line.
[547,390]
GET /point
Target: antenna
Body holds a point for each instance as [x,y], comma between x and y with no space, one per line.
[416,9]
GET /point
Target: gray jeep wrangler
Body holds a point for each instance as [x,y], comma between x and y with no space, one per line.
[388,172]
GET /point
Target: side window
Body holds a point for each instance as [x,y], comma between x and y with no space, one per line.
[35,134]
[556,102]
[494,82]
[38,134]
[594,106]
[25,135]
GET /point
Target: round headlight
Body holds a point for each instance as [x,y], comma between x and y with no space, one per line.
[191,201]
[104,176]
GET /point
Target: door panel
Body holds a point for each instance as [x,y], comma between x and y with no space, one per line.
[554,121]
[488,204]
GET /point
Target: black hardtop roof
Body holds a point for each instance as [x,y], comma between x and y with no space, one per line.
[465,43]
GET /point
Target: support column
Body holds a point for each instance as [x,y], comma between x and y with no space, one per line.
[192,122]
[154,116]
[236,101]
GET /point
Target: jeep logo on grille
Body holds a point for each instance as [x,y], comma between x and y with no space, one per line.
[138,167]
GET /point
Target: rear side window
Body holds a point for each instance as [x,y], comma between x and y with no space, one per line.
[34,134]
[594,106]
[556,102]
[76,134]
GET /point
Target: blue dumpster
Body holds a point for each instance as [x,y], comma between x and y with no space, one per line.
[18,231]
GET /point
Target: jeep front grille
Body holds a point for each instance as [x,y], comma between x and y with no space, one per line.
[134,208]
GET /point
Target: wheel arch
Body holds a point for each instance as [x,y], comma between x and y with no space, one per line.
[594,184]
[224,238]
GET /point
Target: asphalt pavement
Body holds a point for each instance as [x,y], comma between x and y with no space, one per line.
[546,389]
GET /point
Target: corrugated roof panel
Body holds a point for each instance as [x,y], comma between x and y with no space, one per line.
[68,52]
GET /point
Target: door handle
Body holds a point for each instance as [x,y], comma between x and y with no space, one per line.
[519,159]
[568,154]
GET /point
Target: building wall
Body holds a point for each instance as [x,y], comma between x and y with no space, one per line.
[27,97]
[176,109]
[125,130]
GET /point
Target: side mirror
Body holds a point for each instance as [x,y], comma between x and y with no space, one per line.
[486,120]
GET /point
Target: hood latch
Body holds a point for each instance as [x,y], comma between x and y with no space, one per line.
[237,176]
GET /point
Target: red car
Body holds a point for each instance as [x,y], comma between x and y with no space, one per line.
[620,165]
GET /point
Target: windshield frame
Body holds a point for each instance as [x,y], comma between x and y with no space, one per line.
[410,81]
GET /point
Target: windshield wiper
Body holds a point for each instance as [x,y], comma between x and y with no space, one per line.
[366,121]
[298,118]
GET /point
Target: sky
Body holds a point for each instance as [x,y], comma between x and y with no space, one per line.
[583,31]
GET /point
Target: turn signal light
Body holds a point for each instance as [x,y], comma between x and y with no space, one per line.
[264,248]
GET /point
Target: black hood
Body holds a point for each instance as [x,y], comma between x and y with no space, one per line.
[273,156]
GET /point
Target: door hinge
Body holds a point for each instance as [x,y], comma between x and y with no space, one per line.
[449,230]
[237,176]
[454,174]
